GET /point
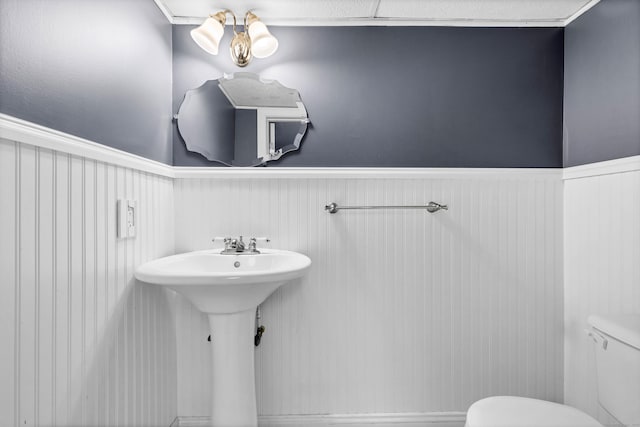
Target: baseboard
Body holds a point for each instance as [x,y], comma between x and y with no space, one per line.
[190,422]
[428,419]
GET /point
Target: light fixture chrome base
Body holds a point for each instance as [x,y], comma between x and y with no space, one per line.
[241,49]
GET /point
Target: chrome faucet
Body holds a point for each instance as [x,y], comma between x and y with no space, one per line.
[238,246]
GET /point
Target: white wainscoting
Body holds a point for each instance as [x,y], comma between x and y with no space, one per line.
[602,264]
[82,342]
[404,314]
[402,311]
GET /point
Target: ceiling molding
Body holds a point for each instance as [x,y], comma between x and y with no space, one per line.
[391,22]
[580,12]
[167,14]
[367,16]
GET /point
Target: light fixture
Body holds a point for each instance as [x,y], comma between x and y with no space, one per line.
[255,40]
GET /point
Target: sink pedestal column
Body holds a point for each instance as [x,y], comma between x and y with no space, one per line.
[233,400]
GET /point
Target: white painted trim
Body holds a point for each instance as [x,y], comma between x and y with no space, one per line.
[22,131]
[25,132]
[396,22]
[388,22]
[191,422]
[580,12]
[361,173]
[432,419]
[608,167]
[392,22]
[166,12]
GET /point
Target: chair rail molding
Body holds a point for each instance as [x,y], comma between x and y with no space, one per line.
[607,167]
[15,129]
[18,130]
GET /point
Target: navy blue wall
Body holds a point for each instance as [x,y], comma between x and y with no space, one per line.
[602,83]
[406,96]
[100,70]
[377,96]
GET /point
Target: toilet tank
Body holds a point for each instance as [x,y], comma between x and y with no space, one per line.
[617,349]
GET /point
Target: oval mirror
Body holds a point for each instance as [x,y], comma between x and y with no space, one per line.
[242,120]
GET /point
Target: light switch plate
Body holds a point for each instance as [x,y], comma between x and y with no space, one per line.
[127,218]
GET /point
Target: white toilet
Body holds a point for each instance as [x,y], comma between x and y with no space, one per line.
[617,346]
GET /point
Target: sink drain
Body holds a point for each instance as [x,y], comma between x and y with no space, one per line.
[236,264]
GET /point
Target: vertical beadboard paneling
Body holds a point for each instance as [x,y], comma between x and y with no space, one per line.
[84,333]
[27,279]
[402,311]
[44,329]
[9,183]
[602,272]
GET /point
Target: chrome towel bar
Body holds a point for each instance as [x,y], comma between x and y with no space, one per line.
[431,207]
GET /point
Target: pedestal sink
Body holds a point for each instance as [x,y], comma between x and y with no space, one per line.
[228,288]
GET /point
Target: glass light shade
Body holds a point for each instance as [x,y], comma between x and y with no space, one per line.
[263,44]
[208,35]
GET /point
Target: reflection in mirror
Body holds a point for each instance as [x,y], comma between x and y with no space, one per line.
[242,120]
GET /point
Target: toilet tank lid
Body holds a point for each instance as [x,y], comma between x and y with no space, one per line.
[623,327]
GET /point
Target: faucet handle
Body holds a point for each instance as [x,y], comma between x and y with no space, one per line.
[253,241]
[227,241]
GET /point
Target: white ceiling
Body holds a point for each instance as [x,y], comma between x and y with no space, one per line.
[489,13]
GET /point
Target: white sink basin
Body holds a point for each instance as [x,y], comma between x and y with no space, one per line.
[228,288]
[218,283]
